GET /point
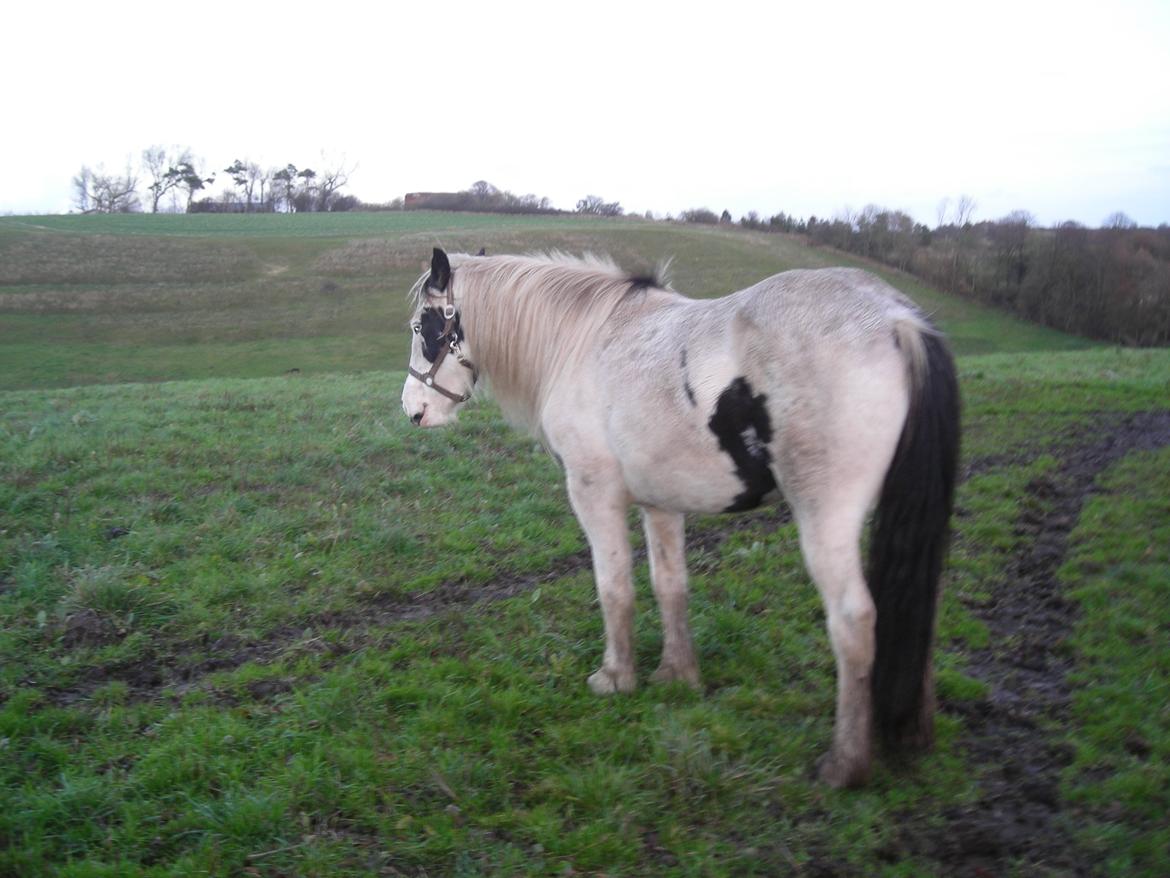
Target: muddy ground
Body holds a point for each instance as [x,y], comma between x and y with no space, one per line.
[1018,816]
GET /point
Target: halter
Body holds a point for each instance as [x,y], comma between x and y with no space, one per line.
[451,347]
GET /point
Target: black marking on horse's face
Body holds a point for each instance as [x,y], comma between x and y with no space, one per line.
[686,379]
[743,428]
[431,323]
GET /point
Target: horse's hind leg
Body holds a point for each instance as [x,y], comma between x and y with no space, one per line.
[600,502]
[666,546]
[830,535]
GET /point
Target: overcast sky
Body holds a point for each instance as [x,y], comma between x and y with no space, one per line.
[1061,109]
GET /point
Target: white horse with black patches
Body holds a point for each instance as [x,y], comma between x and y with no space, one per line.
[828,387]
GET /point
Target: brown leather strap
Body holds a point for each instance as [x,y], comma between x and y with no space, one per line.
[447,344]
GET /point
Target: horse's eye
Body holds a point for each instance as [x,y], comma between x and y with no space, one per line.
[417,327]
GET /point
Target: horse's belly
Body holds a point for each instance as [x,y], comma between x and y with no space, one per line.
[689,479]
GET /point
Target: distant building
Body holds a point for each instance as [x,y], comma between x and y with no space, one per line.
[421,200]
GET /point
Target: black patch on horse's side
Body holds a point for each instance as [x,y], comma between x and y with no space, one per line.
[431,323]
[686,380]
[743,428]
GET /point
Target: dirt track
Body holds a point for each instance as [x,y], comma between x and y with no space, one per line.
[1018,815]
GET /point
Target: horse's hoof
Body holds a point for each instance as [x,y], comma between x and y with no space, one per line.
[842,773]
[606,682]
[671,673]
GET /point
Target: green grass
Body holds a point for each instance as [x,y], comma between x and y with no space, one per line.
[239,629]
[273,520]
[1120,575]
[113,299]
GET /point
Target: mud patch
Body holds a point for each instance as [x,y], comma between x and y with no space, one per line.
[88,628]
[1018,819]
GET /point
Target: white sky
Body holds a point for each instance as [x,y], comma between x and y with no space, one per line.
[1058,108]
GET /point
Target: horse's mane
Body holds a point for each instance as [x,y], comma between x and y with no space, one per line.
[531,319]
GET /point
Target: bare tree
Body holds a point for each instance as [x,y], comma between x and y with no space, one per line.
[330,182]
[159,163]
[595,204]
[483,190]
[81,184]
[99,192]
[941,211]
[1118,220]
[258,177]
[1009,241]
[964,210]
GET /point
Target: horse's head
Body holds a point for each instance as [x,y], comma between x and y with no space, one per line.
[441,373]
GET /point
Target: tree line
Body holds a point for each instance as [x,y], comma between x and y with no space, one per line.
[173,178]
[1111,283]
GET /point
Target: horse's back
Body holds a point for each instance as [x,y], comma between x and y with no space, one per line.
[707,400]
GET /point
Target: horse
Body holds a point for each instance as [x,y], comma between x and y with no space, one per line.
[825,388]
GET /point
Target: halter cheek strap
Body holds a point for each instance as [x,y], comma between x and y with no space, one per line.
[451,347]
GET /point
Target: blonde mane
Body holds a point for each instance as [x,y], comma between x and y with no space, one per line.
[530,320]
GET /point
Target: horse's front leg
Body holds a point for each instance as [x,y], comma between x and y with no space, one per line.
[600,501]
[666,545]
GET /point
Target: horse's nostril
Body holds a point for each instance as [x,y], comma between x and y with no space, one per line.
[417,417]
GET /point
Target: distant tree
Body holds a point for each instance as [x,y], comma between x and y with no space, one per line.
[99,192]
[699,215]
[284,182]
[305,198]
[483,190]
[589,204]
[941,212]
[81,184]
[247,177]
[329,185]
[595,204]
[1009,241]
[159,162]
[725,217]
[1118,220]
[964,210]
[751,220]
[188,178]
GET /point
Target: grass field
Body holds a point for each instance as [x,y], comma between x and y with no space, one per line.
[255,624]
[87,299]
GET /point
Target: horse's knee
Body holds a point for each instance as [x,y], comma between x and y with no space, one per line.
[851,625]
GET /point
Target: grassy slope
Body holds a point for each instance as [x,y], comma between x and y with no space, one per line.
[280,519]
[113,299]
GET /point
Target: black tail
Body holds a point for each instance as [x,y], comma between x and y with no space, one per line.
[908,544]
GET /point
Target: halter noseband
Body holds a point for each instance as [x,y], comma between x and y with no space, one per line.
[448,344]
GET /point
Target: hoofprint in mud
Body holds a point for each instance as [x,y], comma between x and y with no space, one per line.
[828,387]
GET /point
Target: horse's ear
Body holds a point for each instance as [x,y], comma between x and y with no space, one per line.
[440,271]
[482,251]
